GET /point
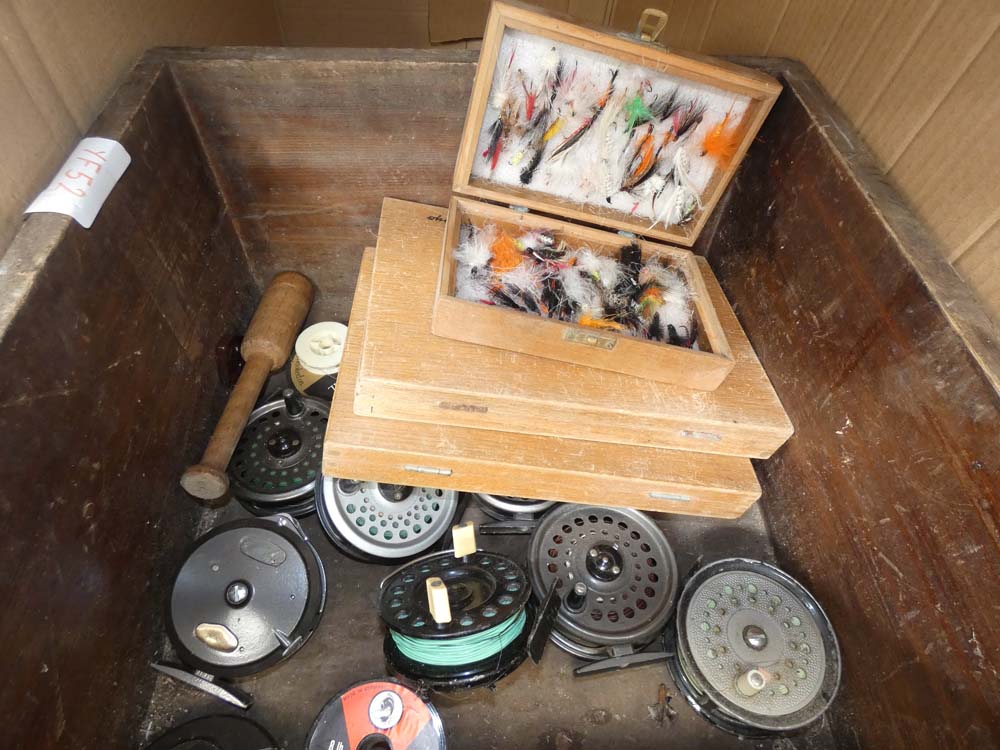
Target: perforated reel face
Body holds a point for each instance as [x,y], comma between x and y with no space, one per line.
[278,458]
[484,590]
[758,643]
[615,571]
[390,521]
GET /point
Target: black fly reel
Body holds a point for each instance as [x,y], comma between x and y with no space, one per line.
[277,460]
[247,596]
[216,733]
[751,650]
[491,619]
[384,523]
[616,574]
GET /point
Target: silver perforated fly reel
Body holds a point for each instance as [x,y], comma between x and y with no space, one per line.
[752,650]
[617,577]
[278,458]
[379,522]
[511,515]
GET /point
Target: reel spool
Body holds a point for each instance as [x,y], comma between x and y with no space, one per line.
[216,733]
[278,458]
[751,649]
[506,508]
[377,522]
[617,577]
[248,595]
[377,715]
[487,636]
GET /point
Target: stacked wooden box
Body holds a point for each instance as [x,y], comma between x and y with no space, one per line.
[436,390]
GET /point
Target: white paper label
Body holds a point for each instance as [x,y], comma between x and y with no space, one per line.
[84,181]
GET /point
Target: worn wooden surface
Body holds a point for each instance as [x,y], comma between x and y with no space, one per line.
[287,138]
[108,381]
[701,369]
[407,373]
[887,500]
[471,460]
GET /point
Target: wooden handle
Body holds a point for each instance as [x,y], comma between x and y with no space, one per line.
[266,347]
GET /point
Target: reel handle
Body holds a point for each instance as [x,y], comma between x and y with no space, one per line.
[266,347]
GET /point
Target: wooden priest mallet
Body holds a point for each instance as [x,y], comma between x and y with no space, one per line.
[265,349]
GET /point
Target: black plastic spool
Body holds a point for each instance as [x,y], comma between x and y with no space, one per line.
[405,590]
[215,733]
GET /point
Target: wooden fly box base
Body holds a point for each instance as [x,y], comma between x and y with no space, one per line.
[408,373]
[589,128]
[365,447]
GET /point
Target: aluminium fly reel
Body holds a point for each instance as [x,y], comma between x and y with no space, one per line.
[379,522]
[616,575]
[277,460]
[511,515]
[247,596]
[751,650]
[486,637]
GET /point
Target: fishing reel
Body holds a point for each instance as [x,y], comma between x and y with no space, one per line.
[277,460]
[216,733]
[751,650]
[378,715]
[378,523]
[616,575]
[481,638]
[247,596]
[511,515]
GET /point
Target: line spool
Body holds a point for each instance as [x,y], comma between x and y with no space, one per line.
[277,461]
[752,650]
[616,573]
[486,638]
[379,522]
[377,715]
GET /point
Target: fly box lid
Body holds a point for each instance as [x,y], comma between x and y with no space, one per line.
[589,129]
[603,128]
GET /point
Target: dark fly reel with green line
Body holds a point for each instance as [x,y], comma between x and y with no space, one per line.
[277,460]
[247,596]
[751,650]
[491,619]
[511,515]
[215,733]
[616,575]
[379,522]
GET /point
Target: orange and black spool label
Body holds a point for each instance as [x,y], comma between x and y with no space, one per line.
[367,715]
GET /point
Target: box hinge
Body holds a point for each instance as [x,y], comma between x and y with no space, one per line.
[626,234]
[519,209]
[428,470]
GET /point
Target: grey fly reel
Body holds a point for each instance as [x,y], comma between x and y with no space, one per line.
[752,650]
[379,522]
[248,595]
[277,460]
[617,577]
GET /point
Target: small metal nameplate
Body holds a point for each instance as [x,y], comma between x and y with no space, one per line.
[587,338]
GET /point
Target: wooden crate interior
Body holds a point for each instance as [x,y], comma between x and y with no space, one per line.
[884,502]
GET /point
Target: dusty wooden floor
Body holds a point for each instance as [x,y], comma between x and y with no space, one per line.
[528,710]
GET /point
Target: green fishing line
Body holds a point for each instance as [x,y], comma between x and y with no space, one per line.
[463,649]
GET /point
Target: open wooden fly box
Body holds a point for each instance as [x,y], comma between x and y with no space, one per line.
[407,373]
[583,128]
